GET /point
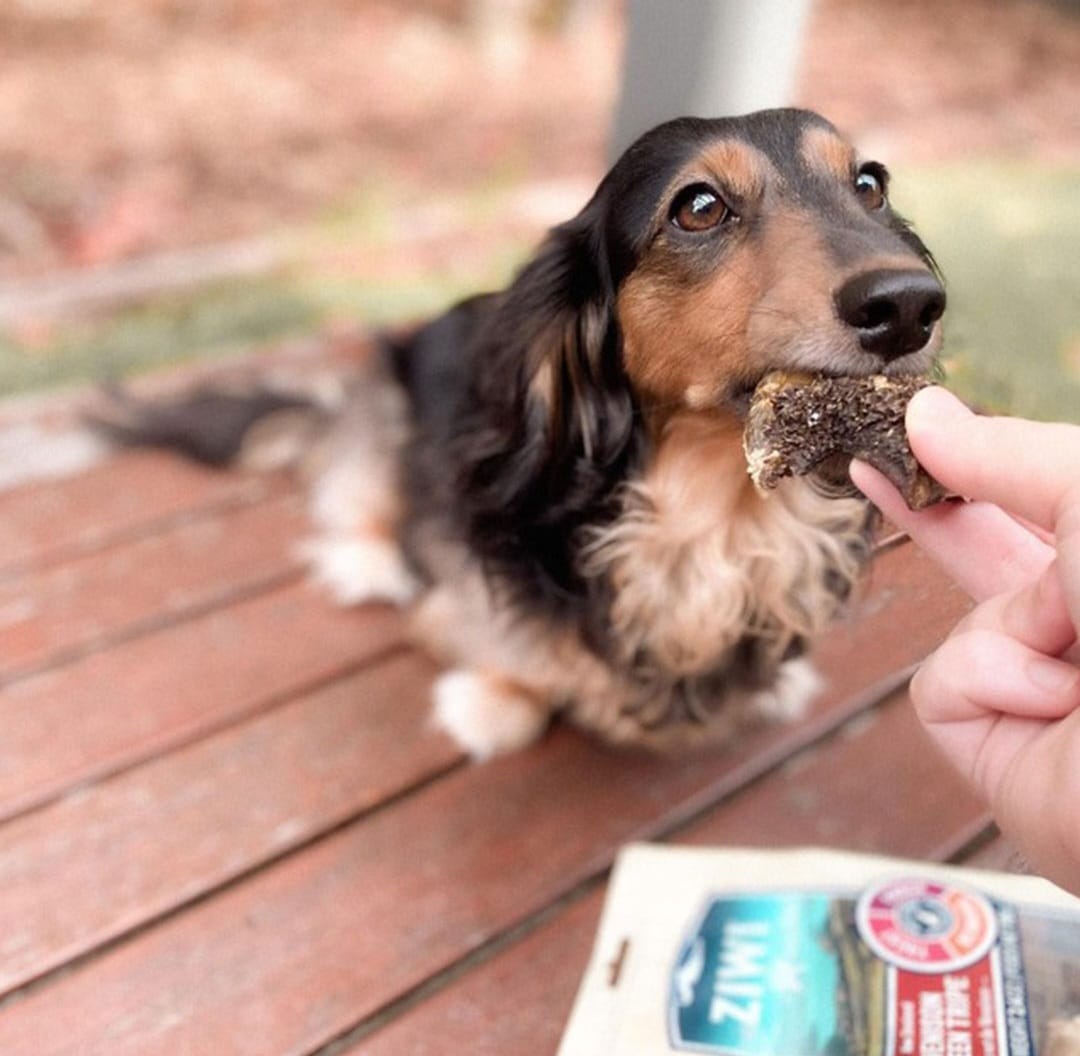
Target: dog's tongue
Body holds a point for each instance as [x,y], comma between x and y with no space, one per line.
[801,423]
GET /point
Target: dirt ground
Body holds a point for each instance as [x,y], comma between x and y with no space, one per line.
[139,125]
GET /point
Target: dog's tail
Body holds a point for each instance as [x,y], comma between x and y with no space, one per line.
[257,425]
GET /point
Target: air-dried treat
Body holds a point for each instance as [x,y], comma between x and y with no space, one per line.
[802,423]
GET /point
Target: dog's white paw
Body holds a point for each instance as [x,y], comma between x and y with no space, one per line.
[29,453]
[359,569]
[484,716]
[787,699]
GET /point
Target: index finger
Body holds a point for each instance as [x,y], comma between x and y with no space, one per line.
[979,545]
[1025,467]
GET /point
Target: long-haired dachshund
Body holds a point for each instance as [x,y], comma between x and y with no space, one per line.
[554,473]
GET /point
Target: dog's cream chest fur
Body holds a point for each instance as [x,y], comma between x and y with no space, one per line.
[698,559]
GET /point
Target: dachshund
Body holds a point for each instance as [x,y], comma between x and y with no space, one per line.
[553,474]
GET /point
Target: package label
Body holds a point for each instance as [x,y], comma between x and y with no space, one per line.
[759,976]
[908,967]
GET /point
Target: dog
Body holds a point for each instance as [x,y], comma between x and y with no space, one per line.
[553,475]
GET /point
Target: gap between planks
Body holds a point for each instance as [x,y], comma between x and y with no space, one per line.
[68,967]
[704,828]
[737,783]
[209,492]
[95,601]
[717,794]
[94,775]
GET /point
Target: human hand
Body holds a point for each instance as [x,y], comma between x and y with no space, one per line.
[1002,694]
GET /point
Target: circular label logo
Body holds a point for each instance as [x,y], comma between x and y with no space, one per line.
[926,925]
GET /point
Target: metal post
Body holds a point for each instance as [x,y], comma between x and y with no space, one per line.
[706,58]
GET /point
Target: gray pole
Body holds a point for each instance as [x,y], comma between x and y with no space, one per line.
[706,58]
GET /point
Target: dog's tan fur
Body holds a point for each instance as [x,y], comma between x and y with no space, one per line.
[827,152]
[697,556]
[672,346]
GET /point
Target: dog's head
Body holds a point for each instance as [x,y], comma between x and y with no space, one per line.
[713,252]
[740,246]
[722,249]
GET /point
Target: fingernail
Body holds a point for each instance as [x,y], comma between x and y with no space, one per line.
[873,485]
[929,406]
[857,470]
[1055,677]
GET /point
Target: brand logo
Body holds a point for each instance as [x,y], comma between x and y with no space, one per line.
[758,976]
[925,925]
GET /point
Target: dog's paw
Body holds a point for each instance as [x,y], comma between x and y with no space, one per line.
[29,453]
[787,699]
[486,716]
[359,569]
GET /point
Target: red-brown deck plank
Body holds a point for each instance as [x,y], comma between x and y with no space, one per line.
[244,836]
[373,910]
[516,1002]
[880,784]
[91,866]
[115,708]
[115,500]
[292,957]
[310,946]
[188,566]
[826,796]
[903,609]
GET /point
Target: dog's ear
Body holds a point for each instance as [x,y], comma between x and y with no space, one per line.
[556,422]
[573,358]
[556,357]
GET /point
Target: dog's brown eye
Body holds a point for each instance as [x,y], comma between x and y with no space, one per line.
[870,185]
[698,208]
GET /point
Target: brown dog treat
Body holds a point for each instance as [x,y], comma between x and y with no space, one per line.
[801,423]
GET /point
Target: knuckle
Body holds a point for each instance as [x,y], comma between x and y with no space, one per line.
[949,681]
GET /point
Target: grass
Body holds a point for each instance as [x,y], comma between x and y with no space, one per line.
[221,320]
[226,318]
[1007,237]
[1005,234]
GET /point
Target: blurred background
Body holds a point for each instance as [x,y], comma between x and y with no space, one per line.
[198,178]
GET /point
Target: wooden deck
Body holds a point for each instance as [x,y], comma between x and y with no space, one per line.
[227,828]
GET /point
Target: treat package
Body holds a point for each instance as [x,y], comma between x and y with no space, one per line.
[818,953]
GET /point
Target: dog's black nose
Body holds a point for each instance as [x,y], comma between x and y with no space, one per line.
[893,311]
